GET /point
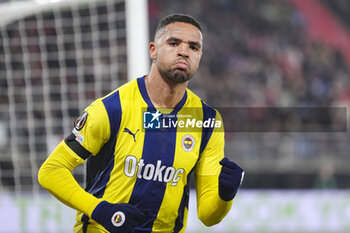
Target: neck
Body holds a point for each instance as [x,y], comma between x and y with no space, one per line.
[164,93]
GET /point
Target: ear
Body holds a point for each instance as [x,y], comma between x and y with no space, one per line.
[153,51]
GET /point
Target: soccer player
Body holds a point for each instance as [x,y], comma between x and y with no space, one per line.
[138,167]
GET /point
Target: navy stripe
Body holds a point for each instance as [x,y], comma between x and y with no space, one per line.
[142,231]
[85,226]
[184,204]
[99,167]
[148,195]
[180,104]
[208,112]
[143,91]
[85,221]
[181,212]
[114,111]
[160,145]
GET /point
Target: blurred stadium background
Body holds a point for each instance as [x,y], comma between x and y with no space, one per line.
[58,56]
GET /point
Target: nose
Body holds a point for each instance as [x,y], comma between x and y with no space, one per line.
[183,50]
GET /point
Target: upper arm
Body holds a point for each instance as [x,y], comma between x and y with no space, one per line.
[62,159]
[91,131]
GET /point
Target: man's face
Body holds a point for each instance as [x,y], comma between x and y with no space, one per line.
[177,51]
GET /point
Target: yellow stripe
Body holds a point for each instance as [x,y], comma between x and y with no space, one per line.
[168,211]
[120,187]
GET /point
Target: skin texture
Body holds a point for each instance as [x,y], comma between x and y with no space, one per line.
[175,53]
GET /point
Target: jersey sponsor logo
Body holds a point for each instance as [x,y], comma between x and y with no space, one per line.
[187,143]
[80,121]
[159,172]
[118,219]
[126,130]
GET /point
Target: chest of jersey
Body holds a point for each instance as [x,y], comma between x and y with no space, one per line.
[161,155]
[146,165]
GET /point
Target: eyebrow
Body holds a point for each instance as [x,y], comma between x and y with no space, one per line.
[192,43]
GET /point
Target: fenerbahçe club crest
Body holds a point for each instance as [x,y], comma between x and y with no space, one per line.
[118,219]
[187,143]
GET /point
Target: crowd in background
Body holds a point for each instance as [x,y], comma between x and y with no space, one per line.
[256,53]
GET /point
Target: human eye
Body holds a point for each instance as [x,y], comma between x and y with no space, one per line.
[173,43]
[194,48]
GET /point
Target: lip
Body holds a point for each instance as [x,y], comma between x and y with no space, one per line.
[181,65]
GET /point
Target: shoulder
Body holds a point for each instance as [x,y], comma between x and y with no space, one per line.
[122,93]
[127,87]
[195,101]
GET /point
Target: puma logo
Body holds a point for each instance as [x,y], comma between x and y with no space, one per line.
[126,130]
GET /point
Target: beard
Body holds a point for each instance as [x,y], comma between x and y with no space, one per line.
[177,75]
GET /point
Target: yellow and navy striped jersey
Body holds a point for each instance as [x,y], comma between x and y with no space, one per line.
[131,160]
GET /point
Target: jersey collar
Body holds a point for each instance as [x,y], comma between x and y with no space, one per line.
[143,91]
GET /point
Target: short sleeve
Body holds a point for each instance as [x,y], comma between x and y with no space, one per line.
[208,163]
